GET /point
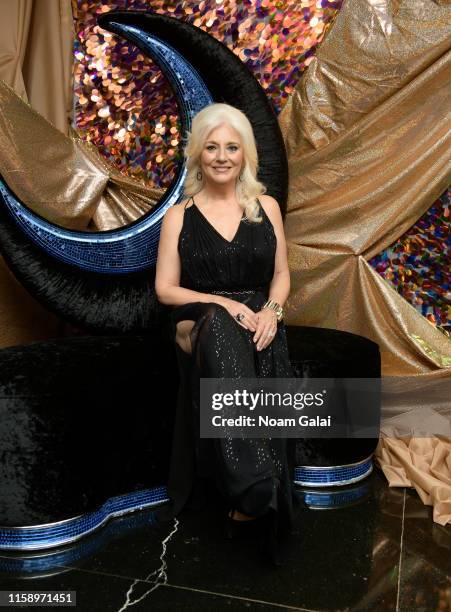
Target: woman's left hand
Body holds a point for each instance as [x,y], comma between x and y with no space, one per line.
[266,328]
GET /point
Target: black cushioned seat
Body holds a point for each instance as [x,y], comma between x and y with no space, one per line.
[82,419]
[330,353]
[88,418]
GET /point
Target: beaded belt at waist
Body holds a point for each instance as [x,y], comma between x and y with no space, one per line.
[240,290]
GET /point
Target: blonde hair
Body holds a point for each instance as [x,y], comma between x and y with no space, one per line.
[209,118]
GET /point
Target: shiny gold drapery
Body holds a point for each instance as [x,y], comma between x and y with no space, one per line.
[367,132]
[36,39]
[69,183]
[64,179]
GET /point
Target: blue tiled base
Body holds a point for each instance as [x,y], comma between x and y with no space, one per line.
[63,532]
[333,499]
[332,476]
[38,537]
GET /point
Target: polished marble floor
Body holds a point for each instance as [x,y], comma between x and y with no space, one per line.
[377,548]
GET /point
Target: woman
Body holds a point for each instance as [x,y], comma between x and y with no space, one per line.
[222,266]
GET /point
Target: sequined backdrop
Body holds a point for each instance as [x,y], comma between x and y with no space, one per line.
[124,105]
[418,264]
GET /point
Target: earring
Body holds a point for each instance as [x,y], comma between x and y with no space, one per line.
[199,176]
[240,178]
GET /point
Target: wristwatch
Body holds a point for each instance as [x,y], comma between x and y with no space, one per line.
[276,307]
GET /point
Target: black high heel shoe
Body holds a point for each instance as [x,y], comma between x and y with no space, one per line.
[272,546]
[269,545]
[242,529]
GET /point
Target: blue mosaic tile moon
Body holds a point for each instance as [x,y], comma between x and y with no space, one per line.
[135,247]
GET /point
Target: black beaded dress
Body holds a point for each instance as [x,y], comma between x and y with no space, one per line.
[253,475]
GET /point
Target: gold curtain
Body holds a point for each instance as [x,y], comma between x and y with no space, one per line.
[367,131]
[36,55]
[36,61]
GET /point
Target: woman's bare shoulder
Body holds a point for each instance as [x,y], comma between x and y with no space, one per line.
[176,211]
[173,219]
[271,207]
[268,202]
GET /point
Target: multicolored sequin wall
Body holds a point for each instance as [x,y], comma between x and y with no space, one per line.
[125,106]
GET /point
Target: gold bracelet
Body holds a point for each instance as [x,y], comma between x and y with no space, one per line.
[276,307]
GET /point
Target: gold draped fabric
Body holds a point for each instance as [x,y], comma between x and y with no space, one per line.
[67,182]
[36,61]
[367,131]
[61,178]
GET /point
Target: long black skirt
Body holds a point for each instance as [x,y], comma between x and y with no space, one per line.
[252,475]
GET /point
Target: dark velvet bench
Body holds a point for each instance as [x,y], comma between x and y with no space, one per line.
[85,431]
[326,465]
[86,428]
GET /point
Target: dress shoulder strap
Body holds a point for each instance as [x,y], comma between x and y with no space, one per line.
[262,210]
[185,220]
[191,198]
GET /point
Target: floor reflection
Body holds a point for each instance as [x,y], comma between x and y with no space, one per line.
[361,547]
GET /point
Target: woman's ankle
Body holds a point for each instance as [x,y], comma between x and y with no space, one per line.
[236,515]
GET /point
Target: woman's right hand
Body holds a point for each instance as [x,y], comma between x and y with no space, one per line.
[234,307]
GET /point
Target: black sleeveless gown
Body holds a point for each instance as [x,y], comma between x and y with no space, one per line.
[252,475]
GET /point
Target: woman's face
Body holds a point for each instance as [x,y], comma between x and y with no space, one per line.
[222,155]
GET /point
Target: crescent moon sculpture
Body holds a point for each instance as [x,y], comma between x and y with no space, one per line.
[104,281]
[134,247]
